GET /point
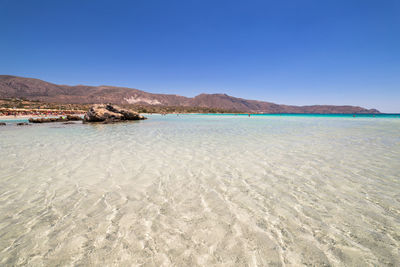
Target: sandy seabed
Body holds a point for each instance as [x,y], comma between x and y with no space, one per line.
[202,190]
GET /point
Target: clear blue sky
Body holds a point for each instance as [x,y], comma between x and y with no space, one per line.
[292,52]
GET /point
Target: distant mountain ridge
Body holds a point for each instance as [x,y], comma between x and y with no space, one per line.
[35,89]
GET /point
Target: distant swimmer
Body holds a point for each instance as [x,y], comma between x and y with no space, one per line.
[249,115]
[354,116]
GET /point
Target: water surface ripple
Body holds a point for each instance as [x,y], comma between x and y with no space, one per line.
[202,190]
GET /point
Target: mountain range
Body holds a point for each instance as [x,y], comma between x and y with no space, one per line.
[38,90]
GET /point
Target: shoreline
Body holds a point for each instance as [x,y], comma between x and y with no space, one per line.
[18,117]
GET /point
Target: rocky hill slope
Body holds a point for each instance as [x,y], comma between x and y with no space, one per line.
[34,89]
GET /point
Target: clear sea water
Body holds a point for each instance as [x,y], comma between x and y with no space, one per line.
[202,190]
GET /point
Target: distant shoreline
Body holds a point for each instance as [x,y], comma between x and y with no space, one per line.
[12,117]
[31,89]
[381,115]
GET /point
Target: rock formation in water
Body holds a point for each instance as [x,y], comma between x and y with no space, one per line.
[59,119]
[74,118]
[110,113]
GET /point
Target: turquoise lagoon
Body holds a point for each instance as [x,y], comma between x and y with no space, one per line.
[187,190]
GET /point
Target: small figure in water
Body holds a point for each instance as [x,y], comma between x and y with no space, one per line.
[249,115]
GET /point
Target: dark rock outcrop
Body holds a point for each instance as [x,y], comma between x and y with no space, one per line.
[22,124]
[59,119]
[2,124]
[45,120]
[74,118]
[109,114]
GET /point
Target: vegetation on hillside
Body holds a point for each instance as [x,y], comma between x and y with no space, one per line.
[27,104]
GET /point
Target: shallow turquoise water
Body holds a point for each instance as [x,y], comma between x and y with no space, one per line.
[382,115]
[375,116]
[202,190]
